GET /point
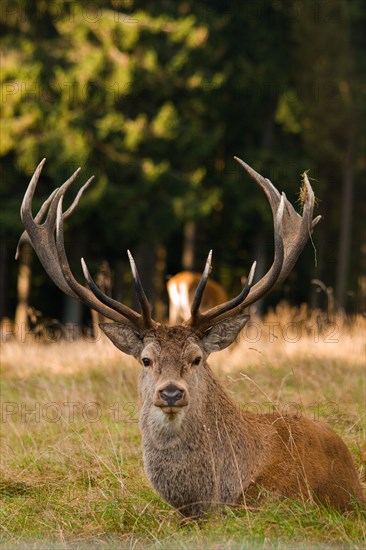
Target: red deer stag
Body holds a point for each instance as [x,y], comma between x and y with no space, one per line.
[181,290]
[199,450]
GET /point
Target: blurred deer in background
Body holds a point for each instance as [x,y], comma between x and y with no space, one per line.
[181,290]
[199,449]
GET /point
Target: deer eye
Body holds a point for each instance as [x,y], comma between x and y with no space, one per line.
[146,362]
[196,361]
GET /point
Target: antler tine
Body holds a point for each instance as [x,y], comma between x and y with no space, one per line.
[76,200]
[26,208]
[205,319]
[50,221]
[127,312]
[271,192]
[140,293]
[83,294]
[201,287]
[24,238]
[40,214]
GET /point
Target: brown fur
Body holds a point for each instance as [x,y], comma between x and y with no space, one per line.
[181,289]
[211,453]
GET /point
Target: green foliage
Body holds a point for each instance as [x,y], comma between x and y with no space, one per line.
[156,98]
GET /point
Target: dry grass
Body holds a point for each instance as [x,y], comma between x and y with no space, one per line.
[71,466]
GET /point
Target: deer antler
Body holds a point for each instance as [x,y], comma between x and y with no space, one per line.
[47,239]
[291,232]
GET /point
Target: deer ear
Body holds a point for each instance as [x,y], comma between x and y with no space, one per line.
[223,334]
[123,337]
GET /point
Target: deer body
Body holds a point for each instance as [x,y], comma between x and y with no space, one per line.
[210,453]
[181,289]
[199,449]
[194,482]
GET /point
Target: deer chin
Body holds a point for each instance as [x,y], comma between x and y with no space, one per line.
[171,410]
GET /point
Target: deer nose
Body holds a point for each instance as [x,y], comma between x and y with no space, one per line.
[171,394]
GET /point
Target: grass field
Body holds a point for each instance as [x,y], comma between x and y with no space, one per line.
[71,465]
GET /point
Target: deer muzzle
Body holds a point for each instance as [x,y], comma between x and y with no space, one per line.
[171,398]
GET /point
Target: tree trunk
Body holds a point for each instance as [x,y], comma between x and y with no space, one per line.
[161,312]
[104,282]
[260,253]
[345,231]
[145,262]
[327,261]
[23,287]
[72,310]
[119,283]
[3,278]
[189,246]
[72,317]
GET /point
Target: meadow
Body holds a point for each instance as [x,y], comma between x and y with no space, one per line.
[71,466]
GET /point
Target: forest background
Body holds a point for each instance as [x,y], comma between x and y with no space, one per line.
[155,98]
